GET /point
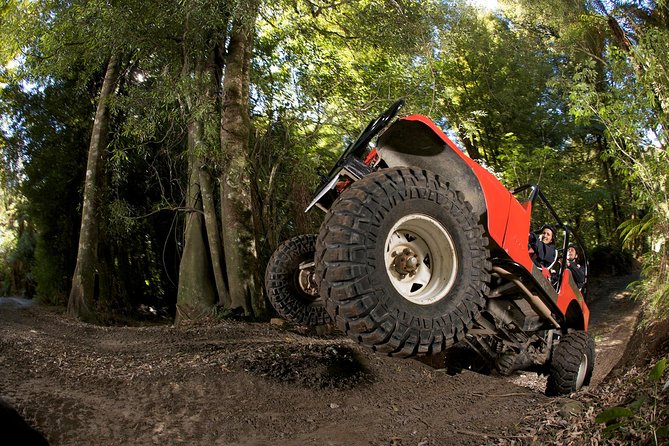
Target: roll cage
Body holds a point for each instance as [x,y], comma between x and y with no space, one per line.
[569,235]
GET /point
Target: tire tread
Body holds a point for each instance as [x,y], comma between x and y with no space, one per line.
[350,230]
[280,288]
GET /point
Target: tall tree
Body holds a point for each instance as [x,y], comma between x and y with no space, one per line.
[82,294]
[235,133]
[201,277]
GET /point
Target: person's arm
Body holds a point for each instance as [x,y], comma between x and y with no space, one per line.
[545,253]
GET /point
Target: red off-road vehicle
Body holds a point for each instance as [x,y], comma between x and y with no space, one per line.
[423,250]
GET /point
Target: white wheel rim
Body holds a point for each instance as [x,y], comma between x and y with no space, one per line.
[582,370]
[429,277]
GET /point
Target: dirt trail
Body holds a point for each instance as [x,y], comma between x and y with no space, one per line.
[613,317]
[230,383]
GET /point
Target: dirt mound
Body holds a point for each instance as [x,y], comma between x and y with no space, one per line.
[648,343]
[312,366]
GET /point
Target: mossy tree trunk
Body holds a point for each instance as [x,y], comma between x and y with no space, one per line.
[235,132]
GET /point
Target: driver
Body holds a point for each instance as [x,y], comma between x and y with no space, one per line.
[542,247]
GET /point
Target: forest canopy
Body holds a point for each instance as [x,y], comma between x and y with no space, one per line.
[156,153]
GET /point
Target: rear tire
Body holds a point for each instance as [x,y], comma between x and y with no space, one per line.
[572,364]
[290,283]
[403,263]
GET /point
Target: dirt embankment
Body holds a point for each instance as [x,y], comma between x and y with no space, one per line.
[231,383]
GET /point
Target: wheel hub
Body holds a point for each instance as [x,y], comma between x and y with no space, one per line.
[421,259]
[406,262]
[306,279]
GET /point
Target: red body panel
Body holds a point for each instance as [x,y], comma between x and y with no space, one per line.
[569,293]
[511,225]
[517,232]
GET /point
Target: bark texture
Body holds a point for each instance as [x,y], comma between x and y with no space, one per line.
[196,293]
[213,237]
[235,131]
[82,293]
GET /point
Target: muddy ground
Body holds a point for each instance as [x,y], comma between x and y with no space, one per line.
[234,383]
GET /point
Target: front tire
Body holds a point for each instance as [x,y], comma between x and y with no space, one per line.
[572,363]
[290,282]
[403,263]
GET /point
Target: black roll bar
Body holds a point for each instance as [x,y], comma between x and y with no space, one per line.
[536,193]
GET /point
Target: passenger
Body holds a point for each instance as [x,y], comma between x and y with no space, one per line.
[572,264]
[542,248]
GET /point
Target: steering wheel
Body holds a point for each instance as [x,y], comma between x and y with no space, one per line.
[374,127]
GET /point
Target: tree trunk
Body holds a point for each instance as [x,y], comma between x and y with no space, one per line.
[81,300]
[235,131]
[232,231]
[260,235]
[196,295]
[213,236]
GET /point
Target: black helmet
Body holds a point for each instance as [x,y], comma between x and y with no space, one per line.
[553,230]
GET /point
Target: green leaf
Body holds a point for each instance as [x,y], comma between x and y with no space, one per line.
[658,370]
[613,413]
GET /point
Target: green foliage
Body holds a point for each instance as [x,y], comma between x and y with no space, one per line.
[17,245]
[634,113]
[653,290]
[335,66]
[48,140]
[491,84]
[320,73]
[51,278]
[543,94]
[633,229]
[49,133]
[644,420]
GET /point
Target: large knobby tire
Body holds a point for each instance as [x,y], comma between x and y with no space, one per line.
[571,364]
[290,282]
[403,262]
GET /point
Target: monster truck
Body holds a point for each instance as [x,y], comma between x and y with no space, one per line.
[423,251]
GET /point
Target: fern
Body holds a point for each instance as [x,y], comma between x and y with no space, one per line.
[632,229]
